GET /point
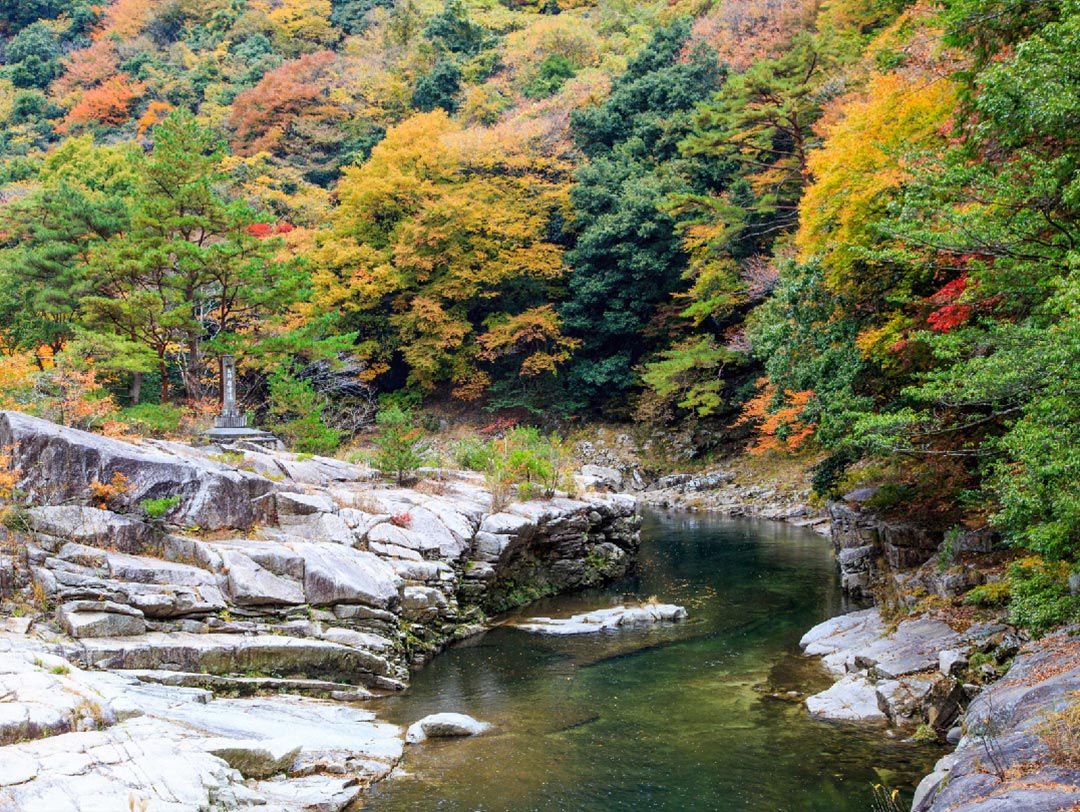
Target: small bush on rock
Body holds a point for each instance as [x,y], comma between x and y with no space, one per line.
[1040,594]
[401,451]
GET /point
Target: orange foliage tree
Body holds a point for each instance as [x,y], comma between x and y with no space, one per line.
[262,115]
[108,104]
[778,421]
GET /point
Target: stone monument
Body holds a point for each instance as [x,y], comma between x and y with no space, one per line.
[230,425]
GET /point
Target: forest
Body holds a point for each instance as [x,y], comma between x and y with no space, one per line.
[844,229]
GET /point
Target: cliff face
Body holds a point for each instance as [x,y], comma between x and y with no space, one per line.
[267,571]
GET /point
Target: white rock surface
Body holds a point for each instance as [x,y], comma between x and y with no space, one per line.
[854,698]
[605,619]
[443,726]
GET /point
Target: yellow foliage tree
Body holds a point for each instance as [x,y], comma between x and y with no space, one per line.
[440,238]
[871,138]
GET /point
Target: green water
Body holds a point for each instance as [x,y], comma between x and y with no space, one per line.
[676,719]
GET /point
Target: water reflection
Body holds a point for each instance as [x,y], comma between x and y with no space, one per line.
[673,718]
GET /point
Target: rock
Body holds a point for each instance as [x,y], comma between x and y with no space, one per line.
[100,624]
[313,793]
[322,527]
[337,574]
[422,603]
[248,584]
[444,725]
[57,463]
[954,735]
[303,504]
[504,524]
[270,555]
[605,619]
[853,698]
[952,661]
[903,700]
[839,637]
[913,647]
[255,759]
[599,477]
[90,526]
[232,653]
[16,625]
[1002,739]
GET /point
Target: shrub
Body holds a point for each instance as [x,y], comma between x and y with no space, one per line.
[527,464]
[472,454]
[296,415]
[109,495]
[995,593]
[156,508]
[1060,732]
[401,451]
[1040,594]
[155,419]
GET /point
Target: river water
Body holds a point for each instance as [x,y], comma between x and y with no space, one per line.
[673,719]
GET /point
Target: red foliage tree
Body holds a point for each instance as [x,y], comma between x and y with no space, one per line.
[261,115]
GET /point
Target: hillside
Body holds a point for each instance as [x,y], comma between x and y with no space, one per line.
[847,226]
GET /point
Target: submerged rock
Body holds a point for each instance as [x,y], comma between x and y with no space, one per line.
[444,726]
[605,619]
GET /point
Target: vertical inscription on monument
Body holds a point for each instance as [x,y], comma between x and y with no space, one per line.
[230,417]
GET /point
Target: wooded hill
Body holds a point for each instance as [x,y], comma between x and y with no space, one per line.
[851,224]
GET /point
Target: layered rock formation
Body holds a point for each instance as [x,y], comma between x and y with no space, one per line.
[267,572]
[1020,750]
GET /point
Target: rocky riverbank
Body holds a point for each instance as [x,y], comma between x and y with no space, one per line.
[191,628]
[1011,705]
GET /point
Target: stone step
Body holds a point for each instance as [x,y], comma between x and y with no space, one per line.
[250,685]
[232,654]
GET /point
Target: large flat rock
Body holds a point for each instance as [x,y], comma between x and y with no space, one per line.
[337,574]
[234,654]
[56,465]
[854,698]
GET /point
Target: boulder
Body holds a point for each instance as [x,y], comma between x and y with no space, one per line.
[444,725]
[952,661]
[100,624]
[255,759]
[90,526]
[605,619]
[248,584]
[57,465]
[422,603]
[904,700]
[291,504]
[600,477]
[312,793]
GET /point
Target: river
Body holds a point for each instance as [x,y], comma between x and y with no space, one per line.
[674,719]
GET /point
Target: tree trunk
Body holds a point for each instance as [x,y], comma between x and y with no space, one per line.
[192,382]
[135,391]
[164,381]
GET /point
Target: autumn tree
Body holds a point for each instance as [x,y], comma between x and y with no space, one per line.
[439,251]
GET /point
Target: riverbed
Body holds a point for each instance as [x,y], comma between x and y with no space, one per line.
[703,715]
